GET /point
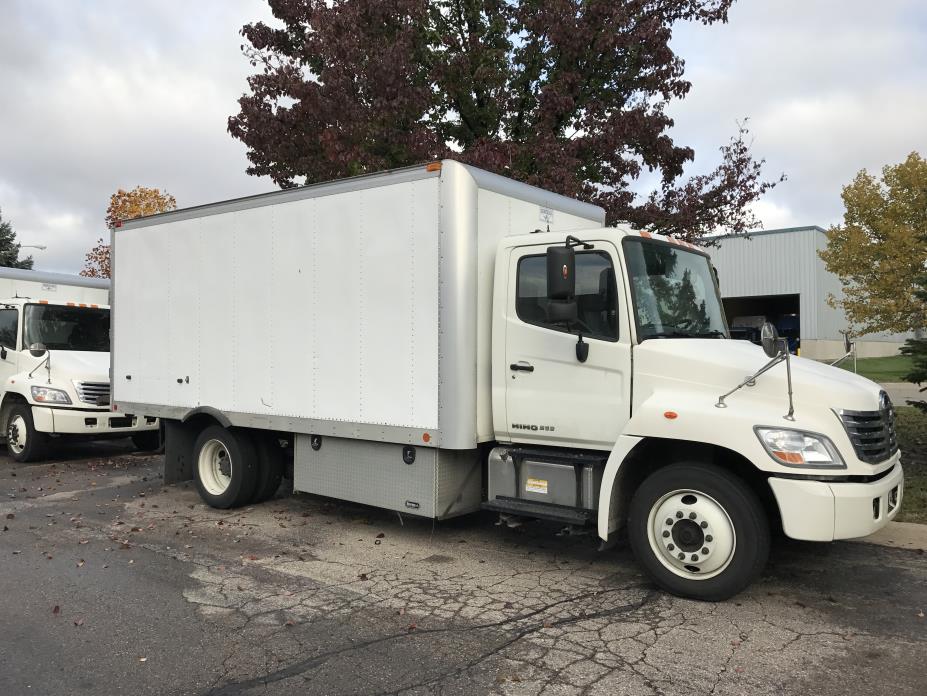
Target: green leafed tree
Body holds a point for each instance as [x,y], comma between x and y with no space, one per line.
[880,251]
[9,247]
[568,95]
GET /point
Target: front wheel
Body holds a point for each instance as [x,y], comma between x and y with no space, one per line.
[698,531]
[23,442]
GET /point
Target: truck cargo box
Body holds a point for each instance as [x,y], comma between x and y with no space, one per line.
[358,308]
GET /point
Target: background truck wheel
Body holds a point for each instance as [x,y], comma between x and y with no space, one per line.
[225,467]
[147,440]
[23,442]
[270,465]
[698,531]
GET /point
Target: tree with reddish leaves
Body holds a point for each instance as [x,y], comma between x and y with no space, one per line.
[568,95]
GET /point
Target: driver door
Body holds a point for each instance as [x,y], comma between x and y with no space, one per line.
[551,397]
[9,334]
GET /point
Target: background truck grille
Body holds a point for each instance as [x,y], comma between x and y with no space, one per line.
[96,393]
[872,432]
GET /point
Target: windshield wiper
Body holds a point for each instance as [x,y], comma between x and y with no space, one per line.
[714,333]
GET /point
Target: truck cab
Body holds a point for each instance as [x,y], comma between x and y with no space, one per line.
[710,442]
[54,378]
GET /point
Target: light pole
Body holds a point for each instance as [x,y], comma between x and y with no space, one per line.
[40,247]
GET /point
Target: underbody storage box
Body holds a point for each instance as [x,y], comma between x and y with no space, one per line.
[422,481]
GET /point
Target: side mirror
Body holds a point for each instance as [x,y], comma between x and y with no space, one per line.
[561,273]
[37,350]
[561,285]
[769,339]
[2,352]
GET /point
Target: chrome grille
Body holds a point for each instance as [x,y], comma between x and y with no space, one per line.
[872,432]
[96,393]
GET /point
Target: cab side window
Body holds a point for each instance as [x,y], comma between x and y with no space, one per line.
[596,294]
[9,323]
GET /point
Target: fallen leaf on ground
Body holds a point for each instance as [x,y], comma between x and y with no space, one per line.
[78,622]
[56,610]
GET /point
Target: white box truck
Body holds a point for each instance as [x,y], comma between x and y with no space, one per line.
[439,339]
[54,364]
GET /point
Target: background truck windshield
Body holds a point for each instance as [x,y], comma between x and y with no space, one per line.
[674,291]
[66,328]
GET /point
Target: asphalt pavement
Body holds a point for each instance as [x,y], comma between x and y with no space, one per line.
[111,583]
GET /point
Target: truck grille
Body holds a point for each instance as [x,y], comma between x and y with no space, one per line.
[872,432]
[96,393]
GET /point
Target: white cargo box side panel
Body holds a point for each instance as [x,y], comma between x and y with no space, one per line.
[308,309]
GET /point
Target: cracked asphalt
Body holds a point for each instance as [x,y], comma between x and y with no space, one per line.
[111,583]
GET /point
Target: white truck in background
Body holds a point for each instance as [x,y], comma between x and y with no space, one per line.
[54,364]
[439,339]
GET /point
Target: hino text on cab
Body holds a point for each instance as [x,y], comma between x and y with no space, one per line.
[439,339]
[54,364]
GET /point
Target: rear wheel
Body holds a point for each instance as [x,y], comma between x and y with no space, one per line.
[270,465]
[226,467]
[698,531]
[147,440]
[23,442]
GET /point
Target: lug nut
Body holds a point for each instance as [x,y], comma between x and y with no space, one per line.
[671,547]
[679,515]
[704,525]
[669,521]
[692,515]
[708,537]
[694,557]
[682,557]
[705,551]
[665,534]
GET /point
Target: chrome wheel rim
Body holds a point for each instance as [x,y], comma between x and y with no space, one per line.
[215,467]
[16,434]
[691,534]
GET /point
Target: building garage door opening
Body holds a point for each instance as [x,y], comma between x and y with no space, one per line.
[745,316]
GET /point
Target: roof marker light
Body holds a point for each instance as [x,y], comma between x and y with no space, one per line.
[433,167]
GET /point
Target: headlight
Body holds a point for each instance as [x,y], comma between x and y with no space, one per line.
[46,395]
[797,448]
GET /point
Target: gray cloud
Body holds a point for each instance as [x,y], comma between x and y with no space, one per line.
[102,95]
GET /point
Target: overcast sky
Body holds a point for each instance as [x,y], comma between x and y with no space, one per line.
[102,94]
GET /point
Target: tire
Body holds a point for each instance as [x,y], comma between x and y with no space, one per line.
[691,508]
[270,466]
[147,440]
[225,467]
[23,442]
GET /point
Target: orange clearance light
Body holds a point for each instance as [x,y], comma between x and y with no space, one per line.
[70,304]
[671,415]
[94,306]
[81,305]
[43,301]
[433,167]
[426,437]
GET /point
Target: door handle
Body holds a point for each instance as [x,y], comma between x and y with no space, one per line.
[521,366]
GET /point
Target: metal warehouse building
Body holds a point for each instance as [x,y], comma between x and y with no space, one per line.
[778,275]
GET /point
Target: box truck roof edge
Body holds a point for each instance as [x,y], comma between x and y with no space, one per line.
[484,180]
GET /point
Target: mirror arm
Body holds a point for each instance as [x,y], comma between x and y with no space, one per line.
[572,241]
[752,378]
[788,371]
[45,361]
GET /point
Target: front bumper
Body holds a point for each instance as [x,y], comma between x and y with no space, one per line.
[74,421]
[825,511]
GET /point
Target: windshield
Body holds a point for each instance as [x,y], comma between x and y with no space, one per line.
[66,328]
[674,291]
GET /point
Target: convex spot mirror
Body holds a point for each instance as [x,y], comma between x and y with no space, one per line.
[37,350]
[769,339]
